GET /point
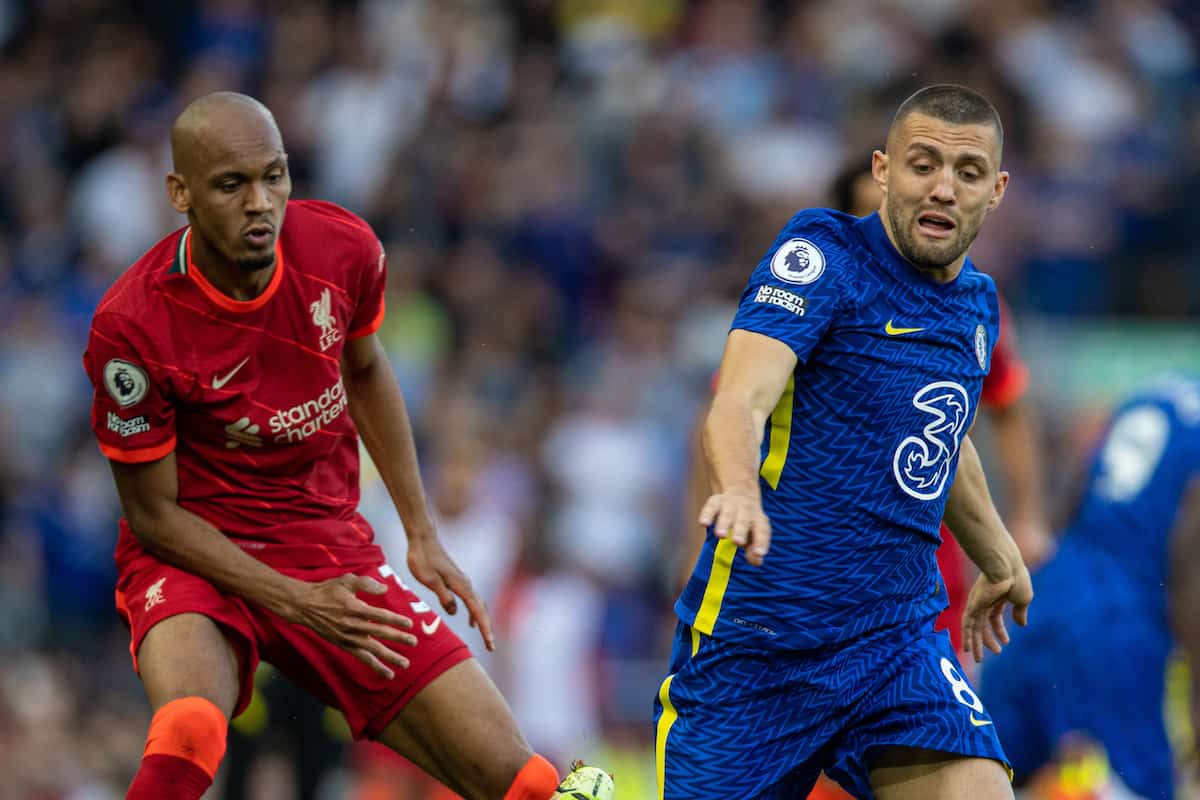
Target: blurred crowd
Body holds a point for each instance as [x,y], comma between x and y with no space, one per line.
[571,194]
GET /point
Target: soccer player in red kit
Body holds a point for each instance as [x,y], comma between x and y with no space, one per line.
[235,365]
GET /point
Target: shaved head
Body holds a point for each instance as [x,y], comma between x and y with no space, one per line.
[231,179]
[951,103]
[211,125]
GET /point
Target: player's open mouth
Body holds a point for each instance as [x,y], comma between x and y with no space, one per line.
[259,235]
[938,226]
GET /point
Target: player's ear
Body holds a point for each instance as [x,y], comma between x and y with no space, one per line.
[879,169]
[998,190]
[177,193]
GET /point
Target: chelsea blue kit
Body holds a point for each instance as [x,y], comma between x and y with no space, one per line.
[1093,658]
[827,651]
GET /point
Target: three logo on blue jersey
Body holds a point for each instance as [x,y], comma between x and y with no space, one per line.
[921,464]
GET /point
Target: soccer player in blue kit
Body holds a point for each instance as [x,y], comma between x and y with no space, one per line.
[1130,559]
[836,441]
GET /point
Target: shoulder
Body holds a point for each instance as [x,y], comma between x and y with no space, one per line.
[326,227]
[133,300]
[814,242]
[824,227]
[982,289]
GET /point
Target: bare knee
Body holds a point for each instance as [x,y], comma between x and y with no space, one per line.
[189,656]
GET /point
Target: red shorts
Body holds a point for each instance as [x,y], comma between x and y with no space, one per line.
[952,561]
[149,591]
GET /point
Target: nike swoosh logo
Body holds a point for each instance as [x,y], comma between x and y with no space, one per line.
[892,330]
[221,380]
[979,723]
[430,628]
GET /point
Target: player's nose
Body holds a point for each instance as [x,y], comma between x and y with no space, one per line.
[258,199]
[943,186]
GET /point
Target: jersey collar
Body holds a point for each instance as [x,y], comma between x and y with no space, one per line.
[875,236]
[182,263]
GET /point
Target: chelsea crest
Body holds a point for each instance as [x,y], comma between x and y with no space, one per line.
[981,346]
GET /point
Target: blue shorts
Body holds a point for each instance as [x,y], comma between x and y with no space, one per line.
[737,723]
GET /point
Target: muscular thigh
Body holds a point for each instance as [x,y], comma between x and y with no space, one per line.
[901,773]
[460,730]
[187,638]
[188,655]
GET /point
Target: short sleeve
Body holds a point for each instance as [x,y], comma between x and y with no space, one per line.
[132,416]
[369,304]
[1008,377]
[797,290]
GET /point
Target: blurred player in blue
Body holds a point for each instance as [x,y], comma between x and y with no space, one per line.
[1120,593]
[836,442]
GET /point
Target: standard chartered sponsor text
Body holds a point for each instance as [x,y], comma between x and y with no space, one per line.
[297,423]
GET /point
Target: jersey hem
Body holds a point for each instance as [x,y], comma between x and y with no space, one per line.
[370,327]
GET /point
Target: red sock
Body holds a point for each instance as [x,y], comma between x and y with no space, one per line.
[183,750]
[168,776]
[537,780]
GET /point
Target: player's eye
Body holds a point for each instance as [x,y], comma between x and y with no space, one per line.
[275,177]
[923,169]
[228,187]
[968,175]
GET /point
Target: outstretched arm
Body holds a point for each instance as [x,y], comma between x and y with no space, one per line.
[754,372]
[381,416]
[1183,589]
[973,518]
[149,497]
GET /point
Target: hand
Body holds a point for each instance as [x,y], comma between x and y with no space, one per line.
[983,619]
[740,518]
[332,610]
[429,563]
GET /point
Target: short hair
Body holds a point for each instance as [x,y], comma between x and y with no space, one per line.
[951,103]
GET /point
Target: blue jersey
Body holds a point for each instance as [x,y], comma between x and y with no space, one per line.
[859,454]
[1136,482]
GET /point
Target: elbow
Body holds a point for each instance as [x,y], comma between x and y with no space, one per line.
[148,523]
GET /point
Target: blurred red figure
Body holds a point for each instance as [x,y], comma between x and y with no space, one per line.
[234,366]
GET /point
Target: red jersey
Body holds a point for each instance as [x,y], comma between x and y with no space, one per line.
[248,394]
[1009,377]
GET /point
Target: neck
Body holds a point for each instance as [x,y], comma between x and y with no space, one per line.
[936,274]
[226,276]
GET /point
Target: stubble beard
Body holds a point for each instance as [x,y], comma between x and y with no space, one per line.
[925,256]
[256,263]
